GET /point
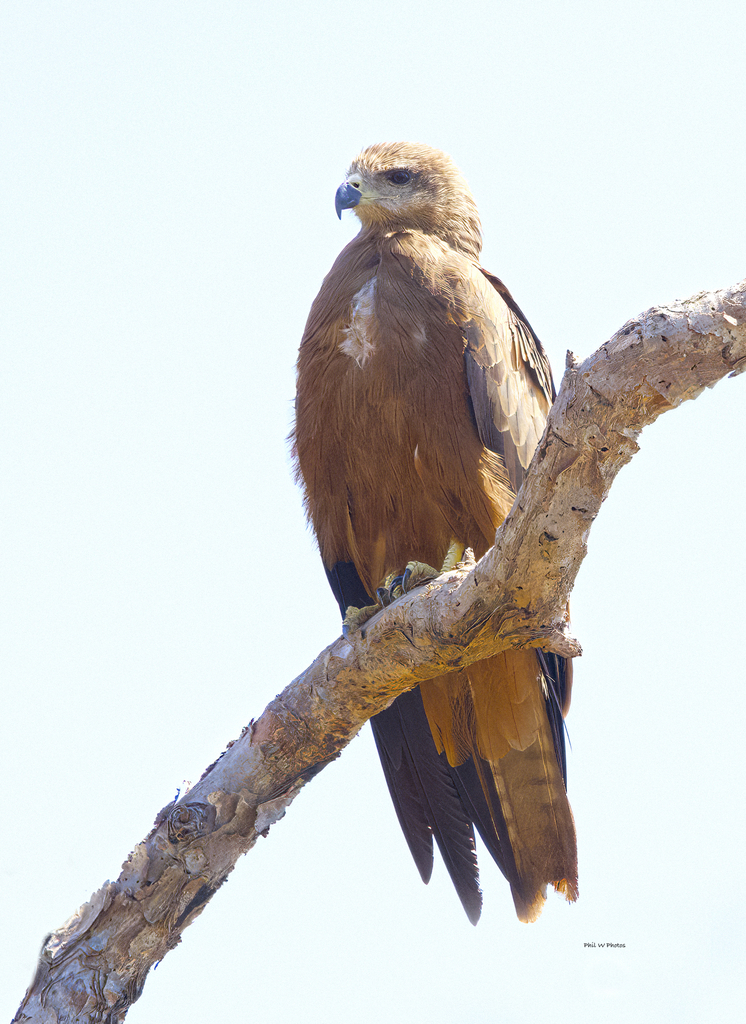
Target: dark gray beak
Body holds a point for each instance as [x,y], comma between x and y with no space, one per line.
[347,196]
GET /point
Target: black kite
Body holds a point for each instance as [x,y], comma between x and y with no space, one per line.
[422,393]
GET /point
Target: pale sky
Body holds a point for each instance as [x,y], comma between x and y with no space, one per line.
[169,171]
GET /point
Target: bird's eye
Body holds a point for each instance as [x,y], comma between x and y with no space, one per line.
[399,177]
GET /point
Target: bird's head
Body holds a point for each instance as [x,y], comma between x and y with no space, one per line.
[395,186]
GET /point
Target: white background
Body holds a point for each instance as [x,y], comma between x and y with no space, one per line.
[168,177]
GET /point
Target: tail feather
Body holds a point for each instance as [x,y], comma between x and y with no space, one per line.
[539,825]
[492,716]
[426,798]
[557,673]
[405,790]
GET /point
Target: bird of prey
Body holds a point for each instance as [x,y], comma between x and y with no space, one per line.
[422,393]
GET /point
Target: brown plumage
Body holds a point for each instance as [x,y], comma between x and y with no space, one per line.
[422,393]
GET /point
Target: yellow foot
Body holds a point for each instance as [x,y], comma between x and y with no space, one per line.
[417,574]
[357,617]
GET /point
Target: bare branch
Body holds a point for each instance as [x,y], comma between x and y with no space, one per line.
[94,967]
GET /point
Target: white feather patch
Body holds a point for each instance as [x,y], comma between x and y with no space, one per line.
[359,340]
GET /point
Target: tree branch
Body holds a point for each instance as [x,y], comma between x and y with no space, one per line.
[94,967]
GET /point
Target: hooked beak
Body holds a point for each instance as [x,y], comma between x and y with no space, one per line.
[347,196]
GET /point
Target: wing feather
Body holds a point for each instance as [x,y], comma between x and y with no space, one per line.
[508,374]
[507,371]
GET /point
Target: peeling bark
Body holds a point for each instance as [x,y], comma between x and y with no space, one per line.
[94,967]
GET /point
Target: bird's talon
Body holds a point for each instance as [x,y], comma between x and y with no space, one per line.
[417,574]
[357,617]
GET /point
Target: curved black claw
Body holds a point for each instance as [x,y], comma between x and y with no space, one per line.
[396,588]
[384,598]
